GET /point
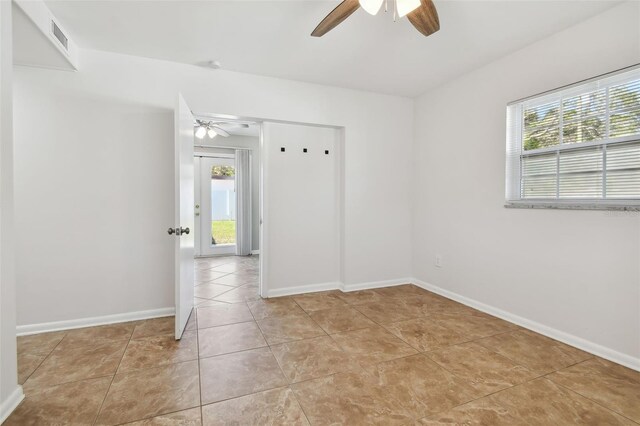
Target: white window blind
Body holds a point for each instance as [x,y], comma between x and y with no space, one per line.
[577,145]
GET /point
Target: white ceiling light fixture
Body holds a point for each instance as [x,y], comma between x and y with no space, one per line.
[372,7]
[406,6]
[213,129]
[200,131]
[401,7]
[421,13]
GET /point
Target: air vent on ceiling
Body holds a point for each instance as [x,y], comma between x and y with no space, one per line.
[57,33]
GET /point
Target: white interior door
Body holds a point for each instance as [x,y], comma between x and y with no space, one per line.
[184,214]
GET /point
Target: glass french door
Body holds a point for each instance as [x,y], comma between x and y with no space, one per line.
[217,207]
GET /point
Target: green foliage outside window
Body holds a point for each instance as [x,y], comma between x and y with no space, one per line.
[584,117]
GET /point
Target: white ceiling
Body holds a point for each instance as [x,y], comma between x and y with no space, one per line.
[364,52]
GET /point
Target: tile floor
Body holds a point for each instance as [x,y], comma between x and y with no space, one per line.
[396,355]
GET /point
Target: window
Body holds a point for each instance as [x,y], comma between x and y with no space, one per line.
[579,145]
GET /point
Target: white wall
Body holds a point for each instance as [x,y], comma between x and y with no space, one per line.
[574,271]
[10,392]
[94,176]
[302,208]
[248,142]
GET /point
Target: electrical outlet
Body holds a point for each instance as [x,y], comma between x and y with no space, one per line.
[438,261]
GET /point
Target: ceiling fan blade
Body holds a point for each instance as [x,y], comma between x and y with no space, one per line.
[337,15]
[425,18]
[219,130]
[234,125]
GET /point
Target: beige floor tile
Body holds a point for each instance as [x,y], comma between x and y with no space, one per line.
[234,280]
[190,417]
[210,302]
[243,293]
[229,338]
[239,374]
[212,316]
[274,307]
[198,302]
[287,329]
[272,407]
[74,403]
[210,290]
[473,326]
[228,267]
[538,402]
[361,373]
[248,274]
[424,334]
[424,304]
[154,327]
[147,393]
[77,363]
[612,385]
[349,399]
[27,364]
[488,370]
[42,343]
[340,319]
[360,297]
[387,311]
[104,333]
[317,301]
[536,352]
[422,386]
[155,351]
[400,291]
[205,275]
[191,323]
[372,345]
[313,358]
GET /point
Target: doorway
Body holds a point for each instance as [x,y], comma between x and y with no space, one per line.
[215,207]
[227,165]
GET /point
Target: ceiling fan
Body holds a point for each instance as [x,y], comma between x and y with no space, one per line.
[421,13]
[213,128]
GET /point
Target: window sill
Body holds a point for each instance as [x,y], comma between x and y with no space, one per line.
[631,206]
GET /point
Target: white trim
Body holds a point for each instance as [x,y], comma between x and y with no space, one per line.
[311,288]
[24,330]
[11,403]
[335,285]
[570,339]
[255,251]
[375,284]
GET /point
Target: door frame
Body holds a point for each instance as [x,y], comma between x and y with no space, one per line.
[264,175]
[262,283]
[222,250]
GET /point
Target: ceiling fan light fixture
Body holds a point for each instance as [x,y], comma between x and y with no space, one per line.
[212,133]
[372,7]
[406,6]
[200,132]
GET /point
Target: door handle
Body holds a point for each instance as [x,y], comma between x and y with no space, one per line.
[178,231]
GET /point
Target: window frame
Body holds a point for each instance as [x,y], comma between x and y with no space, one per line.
[515,140]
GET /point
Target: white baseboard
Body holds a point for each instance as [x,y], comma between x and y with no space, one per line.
[569,339]
[255,251]
[312,288]
[23,330]
[375,284]
[11,403]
